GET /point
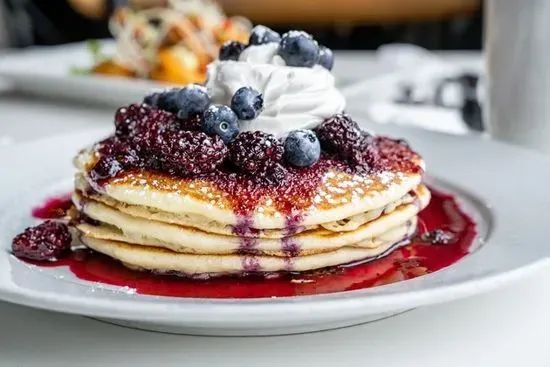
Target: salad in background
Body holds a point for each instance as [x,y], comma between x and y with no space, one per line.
[172,44]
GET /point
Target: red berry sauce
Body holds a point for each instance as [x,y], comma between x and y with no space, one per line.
[290,245]
[414,258]
[53,208]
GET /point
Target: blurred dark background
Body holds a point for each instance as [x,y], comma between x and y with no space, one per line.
[344,24]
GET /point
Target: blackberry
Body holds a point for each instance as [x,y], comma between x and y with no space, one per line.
[255,151]
[193,123]
[136,118]
[128,118]
[121,152]
[341,136]
[186,152]
[46,241]
[338,132]
[362,160]
[115,156]
[106,167]
[147,129]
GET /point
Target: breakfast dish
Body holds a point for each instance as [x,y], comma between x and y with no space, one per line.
[254,205]
[485,253]
[259,171]
[172,44]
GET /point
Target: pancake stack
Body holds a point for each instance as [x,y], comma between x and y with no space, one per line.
[259,170]
[193,226]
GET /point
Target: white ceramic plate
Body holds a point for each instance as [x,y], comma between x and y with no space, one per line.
[504,188]
[46,71]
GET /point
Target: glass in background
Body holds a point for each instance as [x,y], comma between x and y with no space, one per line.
[517,44]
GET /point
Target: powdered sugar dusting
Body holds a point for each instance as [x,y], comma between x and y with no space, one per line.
[325,185]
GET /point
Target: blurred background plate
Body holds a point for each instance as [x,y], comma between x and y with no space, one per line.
[46,71]
[440,91]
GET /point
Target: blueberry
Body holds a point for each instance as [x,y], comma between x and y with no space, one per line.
[326,57]
[261,34]
[299,48]
[302,148]
[167,100]
[231,50]
[192,100]
[221,121]
[152,99]
[247,103]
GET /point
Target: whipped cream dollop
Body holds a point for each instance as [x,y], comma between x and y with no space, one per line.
[294,97]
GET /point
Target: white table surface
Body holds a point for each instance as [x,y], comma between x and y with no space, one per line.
[507,327]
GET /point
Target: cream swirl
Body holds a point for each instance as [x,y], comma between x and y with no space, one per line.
[294,97]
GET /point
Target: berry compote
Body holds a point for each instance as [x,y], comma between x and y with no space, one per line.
[444,235]
[54,207]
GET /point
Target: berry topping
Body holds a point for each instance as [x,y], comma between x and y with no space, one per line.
[168,100]
[326,57]
[299,48]
[438,237]
[231,50]
[135,119]
[341,136]
[273,174]
[255,151]
[247,103]
[115,157]
[191,101]
[261,34]
[302,148]
[105,167]
[152,99]
[220,121]
[340,132]
[122,152]
[193,123]
[46,241]
[188,152]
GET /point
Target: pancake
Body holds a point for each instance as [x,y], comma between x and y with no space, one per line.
[208,225]
[165,261]
[178,238]
[106,232]
[338,195]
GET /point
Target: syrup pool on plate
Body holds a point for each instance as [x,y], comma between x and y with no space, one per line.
[53,208]
[444,236]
